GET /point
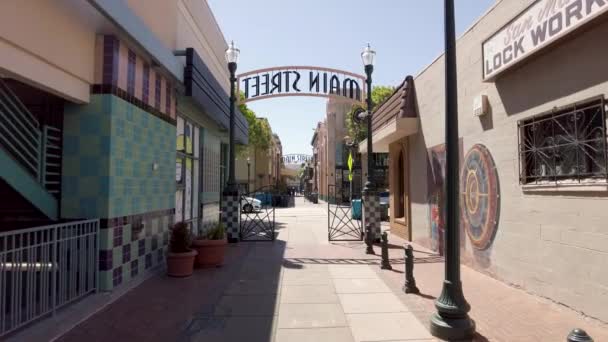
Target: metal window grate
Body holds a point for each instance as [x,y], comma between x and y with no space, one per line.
[565,146]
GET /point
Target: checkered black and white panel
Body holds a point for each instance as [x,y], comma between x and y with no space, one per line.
[231,215]
[372,213]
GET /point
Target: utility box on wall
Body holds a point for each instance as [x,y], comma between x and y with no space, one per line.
[480,105]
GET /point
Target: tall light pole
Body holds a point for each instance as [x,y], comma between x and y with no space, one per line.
[451,321]
[248,175]
[371,201]
[230,208]
[368,61]
[232,57]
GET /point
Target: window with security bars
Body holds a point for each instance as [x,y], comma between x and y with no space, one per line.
[565,146]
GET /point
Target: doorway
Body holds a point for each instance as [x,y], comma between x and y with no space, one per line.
[399,189]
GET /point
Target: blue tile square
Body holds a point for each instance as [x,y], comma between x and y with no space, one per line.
[90,125]
[69,185]
[71,145]
[89,166]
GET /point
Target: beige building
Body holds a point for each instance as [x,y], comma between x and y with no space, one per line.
[330,153]
[532,87]
[260,168]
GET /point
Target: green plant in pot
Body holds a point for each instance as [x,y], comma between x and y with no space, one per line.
[180,258]
[211,246]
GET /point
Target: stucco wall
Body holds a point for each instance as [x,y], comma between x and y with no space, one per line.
[197,28]
[555,243]
[54,50]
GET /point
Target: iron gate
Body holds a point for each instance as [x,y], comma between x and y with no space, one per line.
[343,220]
[257,214]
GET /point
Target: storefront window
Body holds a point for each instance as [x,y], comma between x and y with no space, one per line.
[186,172]
[565,146]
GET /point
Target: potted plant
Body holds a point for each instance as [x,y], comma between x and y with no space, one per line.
[211,246]
[180,259]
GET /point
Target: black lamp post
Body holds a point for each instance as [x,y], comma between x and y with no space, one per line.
[368,61]
[451,322]
[232,57]
[248,174]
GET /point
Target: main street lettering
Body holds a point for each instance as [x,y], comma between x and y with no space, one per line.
[539,25]
[296,158]
[286,81]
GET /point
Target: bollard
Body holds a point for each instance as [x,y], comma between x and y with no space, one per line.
[578,335]
[410,282]
[369,240]
[385,265]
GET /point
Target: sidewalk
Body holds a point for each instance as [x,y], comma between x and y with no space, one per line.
[302,288]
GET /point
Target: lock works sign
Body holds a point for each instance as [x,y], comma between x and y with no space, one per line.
[544,22]
[301,81]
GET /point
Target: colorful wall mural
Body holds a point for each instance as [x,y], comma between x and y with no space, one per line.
[479,203]
[436,197]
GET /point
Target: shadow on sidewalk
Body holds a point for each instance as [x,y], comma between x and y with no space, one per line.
[235,302]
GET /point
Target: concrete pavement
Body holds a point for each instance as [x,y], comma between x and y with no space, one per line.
[303,288]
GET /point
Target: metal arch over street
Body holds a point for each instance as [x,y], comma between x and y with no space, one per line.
[301,81]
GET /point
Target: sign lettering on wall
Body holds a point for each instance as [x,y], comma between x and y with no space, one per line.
[296,158]
[539,25]
[301,81]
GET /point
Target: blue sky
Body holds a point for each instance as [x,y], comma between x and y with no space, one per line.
[406,34]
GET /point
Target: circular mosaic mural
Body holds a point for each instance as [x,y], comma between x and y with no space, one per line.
[480,196]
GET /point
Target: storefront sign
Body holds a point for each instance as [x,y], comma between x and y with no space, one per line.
[539,25]
[300,81]
[296,158]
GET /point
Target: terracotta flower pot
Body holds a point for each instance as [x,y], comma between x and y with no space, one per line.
[210,252]
[180,264]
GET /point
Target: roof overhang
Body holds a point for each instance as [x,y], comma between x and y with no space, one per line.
[208,94]
[395,118]
[391,132]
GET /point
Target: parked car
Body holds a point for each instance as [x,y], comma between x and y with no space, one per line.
[384,198]
[250,204]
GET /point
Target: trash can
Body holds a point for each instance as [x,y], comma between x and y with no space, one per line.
[356,209]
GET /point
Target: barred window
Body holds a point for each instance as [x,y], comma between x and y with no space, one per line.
[567,145]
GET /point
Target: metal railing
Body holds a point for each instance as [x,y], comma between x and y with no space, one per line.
[20,131]
[50,162]
[45,268]
[37,148]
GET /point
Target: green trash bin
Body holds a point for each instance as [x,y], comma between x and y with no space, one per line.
[356,209]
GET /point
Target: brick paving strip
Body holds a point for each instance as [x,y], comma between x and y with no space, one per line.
[302,288]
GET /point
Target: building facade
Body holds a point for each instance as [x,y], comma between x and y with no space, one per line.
[532,87]
[105,117]
[260,168]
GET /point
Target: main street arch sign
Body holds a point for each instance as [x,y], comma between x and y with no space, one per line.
[301,81]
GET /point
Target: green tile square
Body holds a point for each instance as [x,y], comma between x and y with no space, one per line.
[134,249]
[126,272]
[90,145]
[126,233]
[117,256]
[70,165]
[141,264]
[105,280]
[88,186]
[106,238]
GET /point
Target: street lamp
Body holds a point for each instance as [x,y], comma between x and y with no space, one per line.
[451,321]
[248,174]
[232,57]
[367,56]
[230,207]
